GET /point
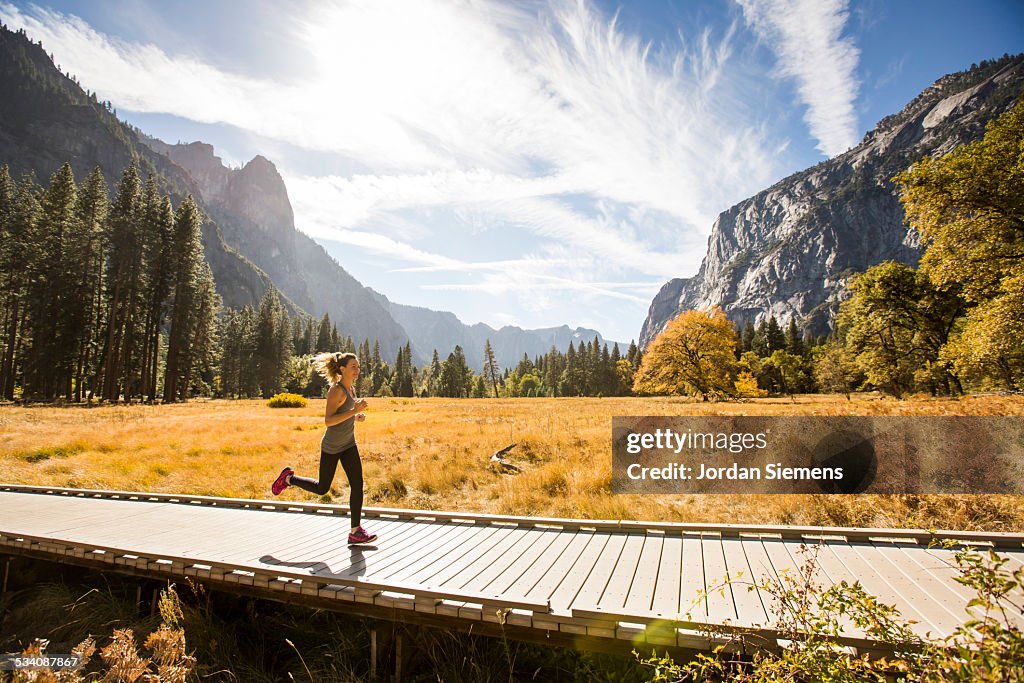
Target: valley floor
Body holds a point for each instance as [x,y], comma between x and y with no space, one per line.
[434,454]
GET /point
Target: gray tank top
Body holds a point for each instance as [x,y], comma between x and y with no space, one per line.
[342,435]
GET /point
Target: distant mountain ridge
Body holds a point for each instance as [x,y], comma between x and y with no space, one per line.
[790,250]
[431,328]
[46,119]
[249,234]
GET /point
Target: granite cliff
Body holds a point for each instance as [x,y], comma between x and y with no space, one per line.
[790,250]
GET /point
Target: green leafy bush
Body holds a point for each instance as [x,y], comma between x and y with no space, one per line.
[287,401]
[987,646]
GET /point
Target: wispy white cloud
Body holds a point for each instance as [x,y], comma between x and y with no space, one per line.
[806,36]
[546,128]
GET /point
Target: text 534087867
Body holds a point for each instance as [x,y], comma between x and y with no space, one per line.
[19,662]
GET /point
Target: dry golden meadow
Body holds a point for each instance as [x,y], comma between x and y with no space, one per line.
[434,454]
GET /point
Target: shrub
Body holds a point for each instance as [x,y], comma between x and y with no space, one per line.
[287,401]
[986,646]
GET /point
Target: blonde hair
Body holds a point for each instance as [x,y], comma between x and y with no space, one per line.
[329,365]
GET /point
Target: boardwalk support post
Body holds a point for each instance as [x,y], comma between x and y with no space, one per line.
[398,657]
[7,570]
[373,653]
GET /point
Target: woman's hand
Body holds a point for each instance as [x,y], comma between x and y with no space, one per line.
[361,404]
[360,417]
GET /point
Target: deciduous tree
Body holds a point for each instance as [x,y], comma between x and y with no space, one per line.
[694,355]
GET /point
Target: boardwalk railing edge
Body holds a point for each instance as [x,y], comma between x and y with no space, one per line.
[996,539]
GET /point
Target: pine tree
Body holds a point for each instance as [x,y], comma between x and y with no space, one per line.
[747,337]
[405,373]
[308,344]
[199,355]
[158,229]
[570,382]
[93,205]
[553,370]
[365,382]
[53,313]
[434,375]
[490,367]
[124,271]
[17,259]
[7,195]
[775,338]
[606,377]
[376,367]
[230,367]
[456,377]
[323,336]
[634,355]
[271,352]
[794,341]
[186,298]
[248,379]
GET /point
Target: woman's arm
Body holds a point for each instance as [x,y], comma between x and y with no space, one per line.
[336,397]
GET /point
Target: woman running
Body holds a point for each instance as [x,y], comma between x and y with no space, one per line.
[341,370]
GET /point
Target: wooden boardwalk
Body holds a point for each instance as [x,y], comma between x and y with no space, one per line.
[590,582]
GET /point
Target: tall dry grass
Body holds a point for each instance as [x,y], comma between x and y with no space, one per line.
[434,454]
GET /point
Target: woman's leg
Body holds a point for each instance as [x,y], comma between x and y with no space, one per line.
[328,466]
[353,467]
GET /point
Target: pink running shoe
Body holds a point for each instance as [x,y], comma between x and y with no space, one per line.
[360,536]
[281,483]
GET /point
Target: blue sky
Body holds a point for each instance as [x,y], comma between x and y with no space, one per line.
[526,163]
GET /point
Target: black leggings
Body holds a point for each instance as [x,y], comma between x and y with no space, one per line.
[353,466]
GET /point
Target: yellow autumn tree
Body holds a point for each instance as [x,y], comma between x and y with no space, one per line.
[969,209]
[695,355]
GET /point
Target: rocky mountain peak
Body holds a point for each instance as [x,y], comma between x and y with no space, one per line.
[790,250]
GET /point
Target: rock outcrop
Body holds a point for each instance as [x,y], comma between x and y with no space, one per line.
[791,250]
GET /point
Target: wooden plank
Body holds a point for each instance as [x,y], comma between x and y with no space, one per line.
[1008,540]
[368,563]
[916,584]
[648,571]
[526,553]
[441,575]
[693,600]
[877,584]
[516,563]
[435,555]
[620,582]
[749,610]
[829,571]
[424,536]
[485,562]
[567,542]
[81,518]
[721,606]
[324,543]
[665,600]
[600,571]
[563,582]
[762,572]
[475,537]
